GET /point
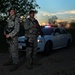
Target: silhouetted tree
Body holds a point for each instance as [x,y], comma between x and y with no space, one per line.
[52,20]
[22,6]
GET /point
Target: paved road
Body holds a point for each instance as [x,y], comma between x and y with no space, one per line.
[60,62]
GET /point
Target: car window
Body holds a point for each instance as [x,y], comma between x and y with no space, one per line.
[57,31]
[63,31]
[47,31]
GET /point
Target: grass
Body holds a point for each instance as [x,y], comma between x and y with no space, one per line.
[66,72]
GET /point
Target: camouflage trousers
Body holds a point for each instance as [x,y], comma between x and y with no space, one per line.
[31,52]
[13,50]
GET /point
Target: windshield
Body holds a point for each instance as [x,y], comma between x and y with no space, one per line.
[47,31]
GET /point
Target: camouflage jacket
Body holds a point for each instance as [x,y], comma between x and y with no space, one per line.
[28,26]
[12,28]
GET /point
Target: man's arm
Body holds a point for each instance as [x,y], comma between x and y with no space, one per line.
[39,28]
[27,24]
[16,28]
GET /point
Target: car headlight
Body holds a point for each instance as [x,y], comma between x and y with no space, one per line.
[39,40]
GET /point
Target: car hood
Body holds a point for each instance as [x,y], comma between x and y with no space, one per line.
[22,38]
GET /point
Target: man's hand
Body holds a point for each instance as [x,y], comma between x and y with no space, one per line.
[35,26]
[7,36]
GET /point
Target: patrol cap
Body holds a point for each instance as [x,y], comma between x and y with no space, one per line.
[32,11]
[12,8]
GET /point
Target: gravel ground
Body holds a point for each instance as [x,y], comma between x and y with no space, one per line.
[60,62]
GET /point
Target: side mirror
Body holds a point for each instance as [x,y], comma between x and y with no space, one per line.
[40,33]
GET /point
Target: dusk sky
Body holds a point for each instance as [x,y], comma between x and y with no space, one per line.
[63,9]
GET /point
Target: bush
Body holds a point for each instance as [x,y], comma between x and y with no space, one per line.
[3,44]
[72,32]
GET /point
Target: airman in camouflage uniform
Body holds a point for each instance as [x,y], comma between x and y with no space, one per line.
[11,33]
[31,27]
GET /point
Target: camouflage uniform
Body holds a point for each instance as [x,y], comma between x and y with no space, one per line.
[31,33]
[13,23]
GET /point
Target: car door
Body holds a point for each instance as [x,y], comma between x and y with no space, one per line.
[56,38]
[64,36]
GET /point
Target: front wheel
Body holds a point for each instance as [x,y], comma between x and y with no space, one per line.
[68,44]
[48,48]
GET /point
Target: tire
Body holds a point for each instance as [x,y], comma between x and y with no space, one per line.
[68,44]
[48,48]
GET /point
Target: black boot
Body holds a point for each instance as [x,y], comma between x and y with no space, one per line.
[8,63]
[14,67]
[36,62]
[29,66]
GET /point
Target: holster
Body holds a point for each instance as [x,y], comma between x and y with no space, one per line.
[28,44]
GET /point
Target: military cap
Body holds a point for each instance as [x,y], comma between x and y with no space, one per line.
[12,8]
[32,11]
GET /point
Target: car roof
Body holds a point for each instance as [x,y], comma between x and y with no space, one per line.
[55,28]
[51,28]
